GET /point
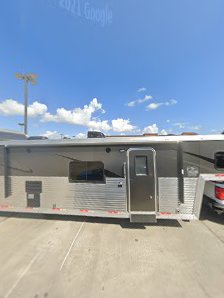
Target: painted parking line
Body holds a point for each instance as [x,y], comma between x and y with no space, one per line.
[22,275]
[2,220]
[71,246]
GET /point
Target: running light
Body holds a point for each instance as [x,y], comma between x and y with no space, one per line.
[219,193]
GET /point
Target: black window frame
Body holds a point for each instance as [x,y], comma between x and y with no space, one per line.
[72,180]
[216,161]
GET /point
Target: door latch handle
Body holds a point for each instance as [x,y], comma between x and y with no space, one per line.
[150,198]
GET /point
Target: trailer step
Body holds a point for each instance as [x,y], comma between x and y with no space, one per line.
[143,217]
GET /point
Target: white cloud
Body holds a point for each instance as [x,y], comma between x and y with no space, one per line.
[131,103]
[180,124]
[80,136]
[122,125]
[217,131]
[171,102]
[139,101]
[143,89]
[186,125]
[76,116]
[196,127]
[163,132]
[11,107]
[52,134]
[84,117]
[151,129]
[154,105]
[36,109]
[99,125]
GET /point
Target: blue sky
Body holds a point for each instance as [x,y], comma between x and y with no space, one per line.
[136,66]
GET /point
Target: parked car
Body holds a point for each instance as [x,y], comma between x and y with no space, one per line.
[214,191]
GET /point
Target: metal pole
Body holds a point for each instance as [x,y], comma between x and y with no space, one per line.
[28,78]
[25,105]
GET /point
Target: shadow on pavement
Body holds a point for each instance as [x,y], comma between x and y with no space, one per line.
[160,223]
[124,223]
[208,214]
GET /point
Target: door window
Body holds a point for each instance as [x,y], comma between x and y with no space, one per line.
[141,166]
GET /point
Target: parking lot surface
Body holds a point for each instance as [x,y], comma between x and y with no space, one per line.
[55,256]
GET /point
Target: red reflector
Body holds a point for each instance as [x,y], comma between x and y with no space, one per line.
[56,209]
[113,212]
[84,210]
[4,206]
[219,175]
[219,193]
[165,213]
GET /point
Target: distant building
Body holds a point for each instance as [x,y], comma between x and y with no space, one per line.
[189,133]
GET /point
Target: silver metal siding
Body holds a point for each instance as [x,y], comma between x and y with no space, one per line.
[59,193]
[97,196]
[190,186]
[168,194]
[2,186]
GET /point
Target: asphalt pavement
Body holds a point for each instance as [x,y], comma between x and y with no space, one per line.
[64,256]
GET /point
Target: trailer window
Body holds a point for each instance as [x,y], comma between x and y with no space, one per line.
[141,167]
[219,160]
[86,171]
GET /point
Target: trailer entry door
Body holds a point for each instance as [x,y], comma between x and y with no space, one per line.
[142,185]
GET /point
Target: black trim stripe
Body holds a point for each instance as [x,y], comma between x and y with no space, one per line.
[202,157]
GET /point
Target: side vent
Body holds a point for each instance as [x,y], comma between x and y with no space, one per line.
[33,186]
[33,191]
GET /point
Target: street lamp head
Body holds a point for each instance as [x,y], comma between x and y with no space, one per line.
[30,77]
[19,76]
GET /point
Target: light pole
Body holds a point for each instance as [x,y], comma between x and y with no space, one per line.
[32,79]
[21,125]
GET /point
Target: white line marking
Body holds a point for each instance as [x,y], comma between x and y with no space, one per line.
[70,248]
[22,275]
[2,221]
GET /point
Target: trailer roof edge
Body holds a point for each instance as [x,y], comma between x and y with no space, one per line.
[111,141]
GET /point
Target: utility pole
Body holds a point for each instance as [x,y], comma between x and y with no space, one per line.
[25,106]
[27,78]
